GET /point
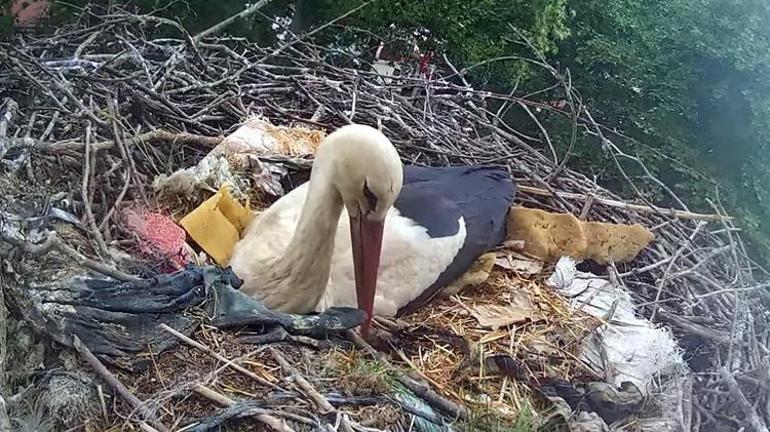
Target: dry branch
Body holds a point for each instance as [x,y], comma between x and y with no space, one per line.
[53,242]
[420,390]
[680,214]
[5,421]
[322,404]
[748,410]
[118,386]
[219,357]
[155,136]
[216,28]
[267,419]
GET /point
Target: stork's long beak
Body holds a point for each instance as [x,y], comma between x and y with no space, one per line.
[366,238]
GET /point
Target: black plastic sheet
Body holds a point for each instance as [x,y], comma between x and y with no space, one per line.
[120,318]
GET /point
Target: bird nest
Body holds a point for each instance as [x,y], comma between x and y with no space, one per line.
[94,112]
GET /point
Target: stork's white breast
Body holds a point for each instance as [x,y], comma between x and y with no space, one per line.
[410,262]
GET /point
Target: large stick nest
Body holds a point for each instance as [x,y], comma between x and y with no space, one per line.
[92,112]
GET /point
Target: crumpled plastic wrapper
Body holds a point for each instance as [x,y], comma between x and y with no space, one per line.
[123,318]
[259,137]
[208,176]
[235,162]
[563,274]
[628,349]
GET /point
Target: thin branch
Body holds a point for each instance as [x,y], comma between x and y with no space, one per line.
[680,214]
[662,281]
[748,410]
[420,390]
[219,357]
[322,404]
[115,383]
[154,136]
[90,219]
[273,422]
[52,242]
[302,37]
[216,28]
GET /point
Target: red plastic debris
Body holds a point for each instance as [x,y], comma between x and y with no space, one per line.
[159,237]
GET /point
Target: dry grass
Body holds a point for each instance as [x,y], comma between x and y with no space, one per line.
[450,349]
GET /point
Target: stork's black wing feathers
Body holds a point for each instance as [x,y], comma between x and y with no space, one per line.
[436,197]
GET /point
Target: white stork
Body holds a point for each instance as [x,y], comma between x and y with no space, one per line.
[412,230]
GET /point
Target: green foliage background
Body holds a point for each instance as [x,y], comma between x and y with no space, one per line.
[687,80]
[690,79]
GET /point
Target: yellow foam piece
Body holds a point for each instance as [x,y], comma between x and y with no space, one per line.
[549,236]
[216,225]
[237,214]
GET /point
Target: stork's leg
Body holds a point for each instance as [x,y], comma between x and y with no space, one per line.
[476,275]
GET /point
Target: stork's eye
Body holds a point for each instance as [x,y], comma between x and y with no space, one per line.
[371,198]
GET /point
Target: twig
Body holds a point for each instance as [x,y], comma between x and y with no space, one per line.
[572,96]
[748,410]
[681,214]
[321,403]
[52,242]
[543,132]
[10,107]
[5,421]
[102,402]
[118,386]
[311,33]
[118,200]
[216,28]
[183,138]
[420,390]
[219,357]
[267,419]
[711,334]
[91,220]
[704,260]
[662,281]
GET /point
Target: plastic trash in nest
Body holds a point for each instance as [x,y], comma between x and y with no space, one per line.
[425,418]
[122,318]
[208,175]
[235,161]
[216,225]
[568,410]
[260,137]
[628,349]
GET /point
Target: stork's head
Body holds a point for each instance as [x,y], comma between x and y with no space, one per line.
[368,174]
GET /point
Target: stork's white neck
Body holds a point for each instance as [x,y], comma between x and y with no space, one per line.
[301,274]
